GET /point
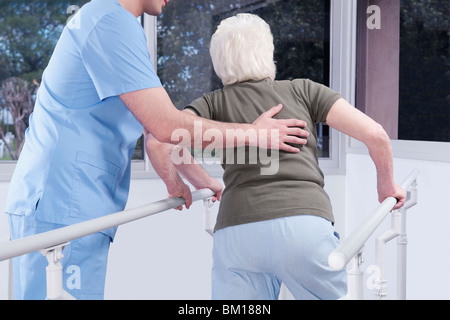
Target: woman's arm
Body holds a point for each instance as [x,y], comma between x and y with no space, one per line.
[349,120]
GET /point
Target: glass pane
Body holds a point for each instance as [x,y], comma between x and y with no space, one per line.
[301,35]
[424,103]
[29,31]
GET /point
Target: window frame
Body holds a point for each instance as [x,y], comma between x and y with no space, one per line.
[409,149]
[342,75]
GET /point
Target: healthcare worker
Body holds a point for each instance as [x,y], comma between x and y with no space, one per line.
[98,94]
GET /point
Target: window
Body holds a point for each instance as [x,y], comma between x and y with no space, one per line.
[424,90]
[402,75]
[301,35]
[29,31]
[403,67]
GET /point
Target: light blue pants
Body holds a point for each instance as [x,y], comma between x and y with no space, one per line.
[84,263]
[250,261]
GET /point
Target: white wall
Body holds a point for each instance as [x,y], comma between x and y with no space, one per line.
[168,256]
[165,256]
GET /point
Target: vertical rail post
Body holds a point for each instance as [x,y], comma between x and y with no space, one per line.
[402,243]
[398,230]
[54,271]
[355,278]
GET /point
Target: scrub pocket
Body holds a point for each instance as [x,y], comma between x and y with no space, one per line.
[94,187]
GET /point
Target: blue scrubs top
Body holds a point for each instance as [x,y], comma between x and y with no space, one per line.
[75,164]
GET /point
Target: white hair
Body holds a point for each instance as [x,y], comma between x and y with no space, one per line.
[242,49]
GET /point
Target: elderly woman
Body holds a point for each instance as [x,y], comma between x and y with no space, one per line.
[274,228]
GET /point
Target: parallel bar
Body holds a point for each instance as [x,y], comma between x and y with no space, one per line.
[339,258]
[52,238]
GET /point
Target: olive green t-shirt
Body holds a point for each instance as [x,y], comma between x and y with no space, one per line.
[292,183]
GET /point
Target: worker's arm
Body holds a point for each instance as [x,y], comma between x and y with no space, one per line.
[349,120]
[161,156]
[154,109]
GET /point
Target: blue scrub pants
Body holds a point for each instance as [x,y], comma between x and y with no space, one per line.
[250,261]
[84,263]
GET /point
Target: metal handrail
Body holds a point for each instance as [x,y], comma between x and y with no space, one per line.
[59,236]
[350,246]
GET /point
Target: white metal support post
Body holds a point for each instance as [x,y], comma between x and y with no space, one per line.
[355,278]
[402,241]
[398,230]
[54,269]
[209,217]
